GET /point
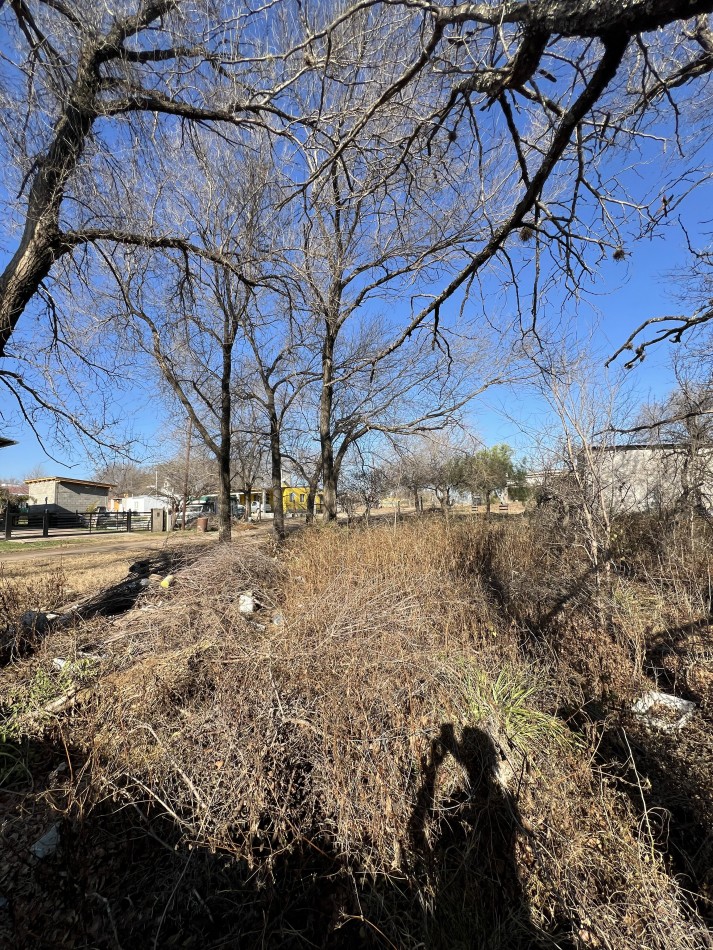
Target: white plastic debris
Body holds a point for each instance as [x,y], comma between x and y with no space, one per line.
[664,711]
[246,603]
[47,844]
[58,663]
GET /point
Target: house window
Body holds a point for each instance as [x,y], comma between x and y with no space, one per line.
[292,496]
[302,499]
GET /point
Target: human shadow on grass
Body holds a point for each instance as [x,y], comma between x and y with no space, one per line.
[464,849]
[122,876]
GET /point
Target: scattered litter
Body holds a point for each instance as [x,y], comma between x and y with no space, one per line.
[144,582]
[55,773]
[257,626]
[246,603]
[47,844]
[663,711]
[167,581]
[278,620]
[59,664]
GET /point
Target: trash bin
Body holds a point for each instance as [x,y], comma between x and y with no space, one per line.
[201,524]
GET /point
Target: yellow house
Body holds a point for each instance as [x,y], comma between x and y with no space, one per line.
[294,498]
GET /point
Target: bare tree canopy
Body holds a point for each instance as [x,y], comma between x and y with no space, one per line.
[86,82]
[88,92]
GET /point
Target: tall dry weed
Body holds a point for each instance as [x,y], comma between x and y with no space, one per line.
[389,719]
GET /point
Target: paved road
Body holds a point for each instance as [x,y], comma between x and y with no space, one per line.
[26,549]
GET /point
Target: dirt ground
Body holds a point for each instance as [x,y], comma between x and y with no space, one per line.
[100,563]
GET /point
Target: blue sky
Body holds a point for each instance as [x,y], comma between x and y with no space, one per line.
[629,294]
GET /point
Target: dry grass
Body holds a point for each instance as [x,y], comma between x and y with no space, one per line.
[399,738]
[83,573]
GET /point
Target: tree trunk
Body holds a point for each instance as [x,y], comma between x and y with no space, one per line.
[329,472]
[226,409]
[312,495]
[224,519]
[40,244]
[278,513]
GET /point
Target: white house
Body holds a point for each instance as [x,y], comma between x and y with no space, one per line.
[142,503]
[651,477]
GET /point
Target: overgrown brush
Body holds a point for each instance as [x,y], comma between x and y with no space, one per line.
[18,595]
[384,735]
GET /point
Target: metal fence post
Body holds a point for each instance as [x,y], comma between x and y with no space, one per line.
[45,524]
[128,521]
[8,523]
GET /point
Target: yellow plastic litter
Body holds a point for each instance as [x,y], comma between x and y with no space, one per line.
[167,581]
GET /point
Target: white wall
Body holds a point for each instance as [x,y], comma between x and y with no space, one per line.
[142,503]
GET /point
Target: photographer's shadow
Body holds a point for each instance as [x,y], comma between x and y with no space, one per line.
[464,848]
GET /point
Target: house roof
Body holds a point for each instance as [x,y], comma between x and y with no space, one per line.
[638,446]
[15,489]
[73,481]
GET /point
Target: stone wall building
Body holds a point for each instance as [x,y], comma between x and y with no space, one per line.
[65,496]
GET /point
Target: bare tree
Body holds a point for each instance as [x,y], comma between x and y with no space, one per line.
[369,240]
[680,429]
[128,478]
[533,106]
[192,320]
[366,482]
[585,488]
[185,475]
[437,463]
[541,103]
[72,70]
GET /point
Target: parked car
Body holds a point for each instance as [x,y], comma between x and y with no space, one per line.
[206,509]
[200,510]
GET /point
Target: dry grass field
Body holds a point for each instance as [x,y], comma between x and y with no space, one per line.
[421,736]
